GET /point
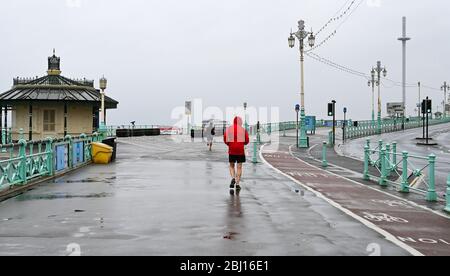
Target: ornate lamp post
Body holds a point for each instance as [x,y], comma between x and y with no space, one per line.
[445,88]
[372,83]
[379,70]
[245,115]
[103,85]
[301,35]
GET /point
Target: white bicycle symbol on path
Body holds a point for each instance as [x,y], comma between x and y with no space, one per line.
[379,217]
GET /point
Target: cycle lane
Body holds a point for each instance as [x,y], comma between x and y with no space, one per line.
[404,223]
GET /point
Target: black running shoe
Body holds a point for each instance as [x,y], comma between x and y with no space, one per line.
[233,182]
[238,188]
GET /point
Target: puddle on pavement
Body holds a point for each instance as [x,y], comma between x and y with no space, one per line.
[26,197]
[230,236]
[89,180]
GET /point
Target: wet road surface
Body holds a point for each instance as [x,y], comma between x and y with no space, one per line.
[168,198]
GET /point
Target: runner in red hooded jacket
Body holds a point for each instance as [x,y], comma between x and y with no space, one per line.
[236,138]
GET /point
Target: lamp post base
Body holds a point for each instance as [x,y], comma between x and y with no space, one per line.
[379,128]
[303,142]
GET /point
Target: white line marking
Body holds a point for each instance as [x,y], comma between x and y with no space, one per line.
[383,192]
[367,223]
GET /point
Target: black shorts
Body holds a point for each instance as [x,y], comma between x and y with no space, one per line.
[237,159]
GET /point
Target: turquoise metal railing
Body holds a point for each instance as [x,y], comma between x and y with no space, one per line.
[370,128]
[397,169]
[27,161]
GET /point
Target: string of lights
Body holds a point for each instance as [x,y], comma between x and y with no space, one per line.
[348,11]
[357,73]
[336,16]
[337,66]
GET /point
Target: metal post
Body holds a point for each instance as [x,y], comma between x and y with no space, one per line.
[405,183]
[383,170]
[324,155]
[366,162]
[23,161]
[330,138]
[298,145]
[49,151]
[404,39]
[69,148]
[30,123]
[431,194]
[426,106]
[255,151]
[388,159]
[334,122]
[447,207]
[419,106]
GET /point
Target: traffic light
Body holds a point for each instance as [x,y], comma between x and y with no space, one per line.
[330,109]
[427,106]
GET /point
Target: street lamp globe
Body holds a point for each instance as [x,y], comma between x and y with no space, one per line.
[384,72]
[103,83]
[291,41]
[373,73]
[311,40]
[369,83]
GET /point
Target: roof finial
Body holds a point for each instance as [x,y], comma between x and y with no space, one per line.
[54,52]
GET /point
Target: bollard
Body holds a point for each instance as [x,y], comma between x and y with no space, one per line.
[366,162]
[405,183]
[383,170]
[284,130]
[255,151]
[23,161]
[447,208]
[330,138]
[324,155]
[368,143]
[70,150]
[431,194]
[394,156]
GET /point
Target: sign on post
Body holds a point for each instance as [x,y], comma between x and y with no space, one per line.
[188,108]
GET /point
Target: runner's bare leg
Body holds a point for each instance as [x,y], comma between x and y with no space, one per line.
[232,171]
[239,173]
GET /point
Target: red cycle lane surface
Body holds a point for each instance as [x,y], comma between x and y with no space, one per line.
[416,227]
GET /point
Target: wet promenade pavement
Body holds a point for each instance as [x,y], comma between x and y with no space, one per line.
[168,198]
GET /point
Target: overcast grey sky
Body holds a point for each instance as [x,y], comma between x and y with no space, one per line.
[158,53]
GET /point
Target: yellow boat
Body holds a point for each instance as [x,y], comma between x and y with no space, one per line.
[101,153]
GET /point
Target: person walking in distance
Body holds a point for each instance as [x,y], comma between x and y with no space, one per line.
[236,138]
[210,133]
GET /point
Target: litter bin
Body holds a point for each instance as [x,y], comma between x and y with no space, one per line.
[111,141]
[101,153]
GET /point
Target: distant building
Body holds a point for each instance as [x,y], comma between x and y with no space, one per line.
[52,106]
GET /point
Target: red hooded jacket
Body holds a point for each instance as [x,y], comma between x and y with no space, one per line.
[236,138]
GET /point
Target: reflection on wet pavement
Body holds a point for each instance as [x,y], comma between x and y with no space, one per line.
[167,198]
